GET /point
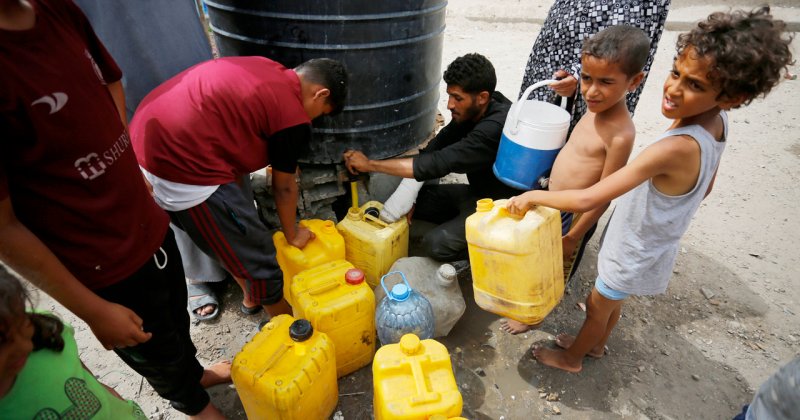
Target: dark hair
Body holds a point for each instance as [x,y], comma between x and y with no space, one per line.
[473,73]
[329,73]
[625,45]
[748,51]
[13,303]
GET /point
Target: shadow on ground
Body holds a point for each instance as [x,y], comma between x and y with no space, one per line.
[649,370]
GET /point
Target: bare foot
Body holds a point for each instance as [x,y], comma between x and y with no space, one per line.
[515,327]
[208,413]
[556,358]
[565,341]
[218,373]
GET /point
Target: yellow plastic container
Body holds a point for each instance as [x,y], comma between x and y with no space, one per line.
[287,372]
[372,244]
[517,266]
[443,417]
[328,245]
[337,301]
[414,380]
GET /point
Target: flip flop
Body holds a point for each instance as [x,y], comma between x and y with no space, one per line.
[250,310]
[201,294]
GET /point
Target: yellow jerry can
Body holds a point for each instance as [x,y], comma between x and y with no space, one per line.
[328,245]
[516,261]
[414,380]
[337,301]
[372,244]
[287,372]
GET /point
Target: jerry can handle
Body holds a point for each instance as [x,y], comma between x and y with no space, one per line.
[403,276]
[521,102]
[375,220]
[322,288]
[502,211]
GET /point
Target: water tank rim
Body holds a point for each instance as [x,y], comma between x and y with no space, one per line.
[296,16]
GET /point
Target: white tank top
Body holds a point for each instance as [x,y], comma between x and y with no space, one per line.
[642,238]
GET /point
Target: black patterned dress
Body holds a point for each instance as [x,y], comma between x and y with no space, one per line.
[569,22]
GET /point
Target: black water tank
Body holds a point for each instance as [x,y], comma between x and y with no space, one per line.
[392,50]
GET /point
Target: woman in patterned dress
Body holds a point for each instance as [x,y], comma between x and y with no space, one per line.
[556,52]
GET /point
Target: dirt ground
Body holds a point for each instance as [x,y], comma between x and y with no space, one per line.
[674,356]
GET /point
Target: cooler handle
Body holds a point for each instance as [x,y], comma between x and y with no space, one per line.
[521,102]
[389,274]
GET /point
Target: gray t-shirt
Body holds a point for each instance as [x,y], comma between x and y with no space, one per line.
[151,41]
[642,238]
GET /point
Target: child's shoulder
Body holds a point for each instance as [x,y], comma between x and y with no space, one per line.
[615,128]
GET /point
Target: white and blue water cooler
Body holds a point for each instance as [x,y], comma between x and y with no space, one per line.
[533,134]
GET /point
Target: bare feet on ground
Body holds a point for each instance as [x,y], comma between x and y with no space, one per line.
[218,373]
[556,358]
[565,340]
[515,327]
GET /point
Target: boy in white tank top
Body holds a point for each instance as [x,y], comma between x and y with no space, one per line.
[712,72]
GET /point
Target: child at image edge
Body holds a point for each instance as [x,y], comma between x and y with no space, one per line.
[726,61]
[601,143]
[41,375]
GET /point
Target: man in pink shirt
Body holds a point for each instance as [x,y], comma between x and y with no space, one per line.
[199,135]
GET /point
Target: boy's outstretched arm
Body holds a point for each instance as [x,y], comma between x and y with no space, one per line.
[660,158]
[617,154]
[114,325]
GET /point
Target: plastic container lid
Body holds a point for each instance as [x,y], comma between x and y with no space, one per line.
[354,276]
[409,344]
[301,330]
[400,292]
[446,273]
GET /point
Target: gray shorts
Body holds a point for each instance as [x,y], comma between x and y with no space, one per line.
[227,227]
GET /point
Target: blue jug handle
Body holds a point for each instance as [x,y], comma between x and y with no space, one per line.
[389,274]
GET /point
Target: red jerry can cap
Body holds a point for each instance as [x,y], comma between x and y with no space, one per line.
[354,276]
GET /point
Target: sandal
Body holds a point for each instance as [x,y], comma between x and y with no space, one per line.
[250,310]
[200,295]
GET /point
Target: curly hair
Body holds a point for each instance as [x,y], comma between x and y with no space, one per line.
[473,73]
[13,302]
[748,51]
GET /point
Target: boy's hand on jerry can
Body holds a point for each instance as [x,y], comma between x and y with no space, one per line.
[517,205]
[302,237]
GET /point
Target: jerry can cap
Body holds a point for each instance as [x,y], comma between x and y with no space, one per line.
[400,292]
[409,344]
[354,276]
[301,330]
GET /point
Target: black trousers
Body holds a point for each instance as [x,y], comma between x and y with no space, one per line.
[448,206]
[157,293]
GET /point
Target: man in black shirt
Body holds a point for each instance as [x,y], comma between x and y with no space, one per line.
[467,145]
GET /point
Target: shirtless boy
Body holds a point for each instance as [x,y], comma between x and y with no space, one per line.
[611,67]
